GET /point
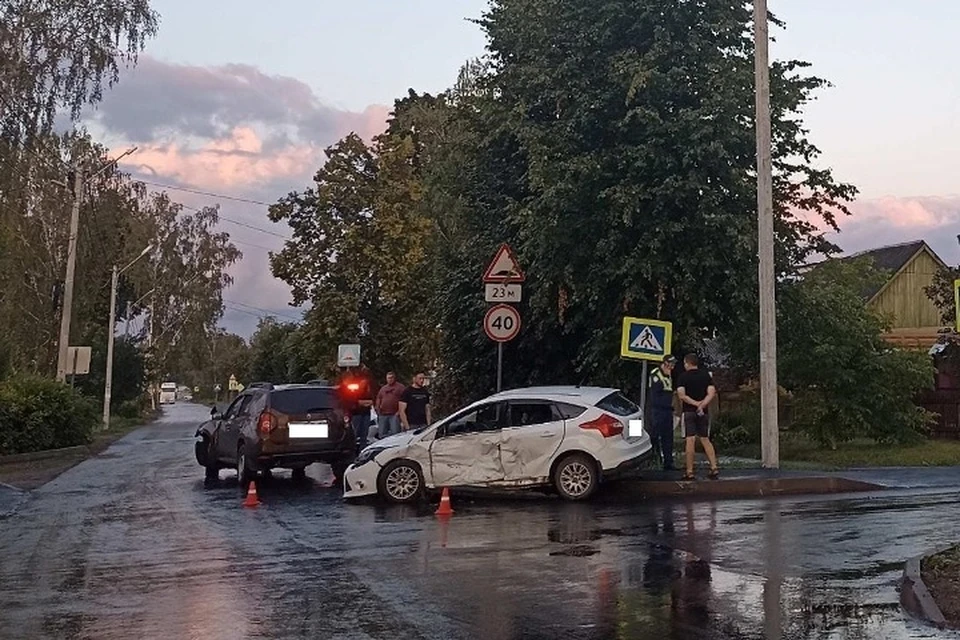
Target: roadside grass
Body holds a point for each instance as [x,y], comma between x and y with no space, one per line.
[941,575]
[857,453]
[42,467]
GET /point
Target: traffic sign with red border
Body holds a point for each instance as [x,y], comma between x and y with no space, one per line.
[501,323]
[504,267]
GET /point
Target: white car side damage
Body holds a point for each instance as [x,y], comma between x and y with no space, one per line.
[511,439]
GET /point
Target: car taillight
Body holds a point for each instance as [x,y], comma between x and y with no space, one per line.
[606,424]
[266,423]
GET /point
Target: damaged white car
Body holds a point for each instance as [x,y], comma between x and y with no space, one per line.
[570,438]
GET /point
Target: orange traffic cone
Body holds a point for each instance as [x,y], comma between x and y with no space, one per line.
[252,500]
[444,509]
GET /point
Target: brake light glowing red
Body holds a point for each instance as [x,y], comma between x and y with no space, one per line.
[266,423]
[606,424]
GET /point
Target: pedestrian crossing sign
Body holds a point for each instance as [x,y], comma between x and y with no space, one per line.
[644,339]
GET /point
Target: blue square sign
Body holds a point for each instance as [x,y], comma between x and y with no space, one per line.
[645,339]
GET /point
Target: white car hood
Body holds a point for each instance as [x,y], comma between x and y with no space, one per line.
[396,440]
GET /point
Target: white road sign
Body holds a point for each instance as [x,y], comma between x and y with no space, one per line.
[348,355]
[503,292]
[501,323]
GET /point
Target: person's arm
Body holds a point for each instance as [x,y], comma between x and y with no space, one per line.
[379,401]
[429,416]
[685,399]
[403,411]
[711,394]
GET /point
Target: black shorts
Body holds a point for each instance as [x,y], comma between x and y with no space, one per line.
[696,425]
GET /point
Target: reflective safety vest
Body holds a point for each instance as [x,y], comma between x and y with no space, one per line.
[659,376]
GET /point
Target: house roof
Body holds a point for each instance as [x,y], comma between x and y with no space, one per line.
[892,259]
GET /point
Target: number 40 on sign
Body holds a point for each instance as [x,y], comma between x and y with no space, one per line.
[501,323]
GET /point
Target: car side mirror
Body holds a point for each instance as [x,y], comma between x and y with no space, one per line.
[214,413]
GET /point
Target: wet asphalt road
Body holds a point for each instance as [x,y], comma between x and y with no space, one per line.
[132,544]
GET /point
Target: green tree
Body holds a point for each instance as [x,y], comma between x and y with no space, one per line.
[846,382]
[274,353]
[620,161]
[358,245]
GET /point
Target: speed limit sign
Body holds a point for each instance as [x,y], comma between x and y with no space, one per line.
[501,323]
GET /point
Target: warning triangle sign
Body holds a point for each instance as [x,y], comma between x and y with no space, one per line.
[504,267]
[647,341]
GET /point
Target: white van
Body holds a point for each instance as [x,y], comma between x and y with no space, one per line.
[168,393]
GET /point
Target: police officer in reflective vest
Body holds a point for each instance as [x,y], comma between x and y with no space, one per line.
[661,410]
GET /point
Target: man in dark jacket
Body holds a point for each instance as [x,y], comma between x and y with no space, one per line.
[661,410]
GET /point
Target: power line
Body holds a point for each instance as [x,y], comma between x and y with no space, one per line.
[242,224]
[206,193]
[266,311]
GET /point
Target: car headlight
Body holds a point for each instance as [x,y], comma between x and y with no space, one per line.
[368,454]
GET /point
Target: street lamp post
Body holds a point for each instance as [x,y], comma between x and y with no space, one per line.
[108,383]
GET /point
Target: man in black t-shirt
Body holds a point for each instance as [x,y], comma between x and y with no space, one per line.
[696,391]
[415,405]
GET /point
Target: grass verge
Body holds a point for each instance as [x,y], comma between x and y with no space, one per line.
[941,574]
[30,474]
[859,453]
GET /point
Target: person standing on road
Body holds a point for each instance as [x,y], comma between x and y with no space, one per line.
[356,396]
[388,406]
[415,405]
[661,410]
[696,391]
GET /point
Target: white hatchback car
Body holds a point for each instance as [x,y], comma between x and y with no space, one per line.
[567,437]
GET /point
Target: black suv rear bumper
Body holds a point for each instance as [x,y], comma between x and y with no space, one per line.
[302,459]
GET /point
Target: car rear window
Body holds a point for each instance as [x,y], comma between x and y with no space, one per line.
[299,401]
[618,404]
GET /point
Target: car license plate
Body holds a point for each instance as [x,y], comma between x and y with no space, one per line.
[309,430]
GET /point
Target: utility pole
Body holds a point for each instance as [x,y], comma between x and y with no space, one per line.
[66,314]
[769,427]
[108,384]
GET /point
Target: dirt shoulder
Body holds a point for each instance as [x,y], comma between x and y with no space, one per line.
[941,575]
[29,471]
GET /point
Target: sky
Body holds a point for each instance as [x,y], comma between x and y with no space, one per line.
[239,98]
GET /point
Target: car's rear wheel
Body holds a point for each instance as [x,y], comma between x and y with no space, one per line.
[401,481]
[245,474]
[576,477]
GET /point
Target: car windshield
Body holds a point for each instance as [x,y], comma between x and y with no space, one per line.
[301,401]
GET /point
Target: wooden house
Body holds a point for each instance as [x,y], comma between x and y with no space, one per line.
[909,268]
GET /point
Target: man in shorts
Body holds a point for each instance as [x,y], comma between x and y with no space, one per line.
[696,391]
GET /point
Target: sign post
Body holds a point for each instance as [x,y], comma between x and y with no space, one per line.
[502,281]
[645,339]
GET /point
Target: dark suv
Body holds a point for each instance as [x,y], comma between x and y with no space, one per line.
[289,426]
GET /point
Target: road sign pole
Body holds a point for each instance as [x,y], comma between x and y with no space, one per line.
[499,366]
[643,393]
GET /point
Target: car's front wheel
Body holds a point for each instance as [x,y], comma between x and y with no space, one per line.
[576,477]
[401,481]
[206,458]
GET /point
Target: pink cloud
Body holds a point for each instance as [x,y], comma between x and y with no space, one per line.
[917,213]
[235,161]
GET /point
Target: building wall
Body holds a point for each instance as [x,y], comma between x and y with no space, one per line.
[904,299]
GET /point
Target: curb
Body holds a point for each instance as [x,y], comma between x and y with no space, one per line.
[916,598]
[42,455]
[753,487]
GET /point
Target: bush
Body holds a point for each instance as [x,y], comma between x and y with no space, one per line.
[740,426]
[37,414]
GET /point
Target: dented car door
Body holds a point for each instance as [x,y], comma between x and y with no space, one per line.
[532,434]
[466,450]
